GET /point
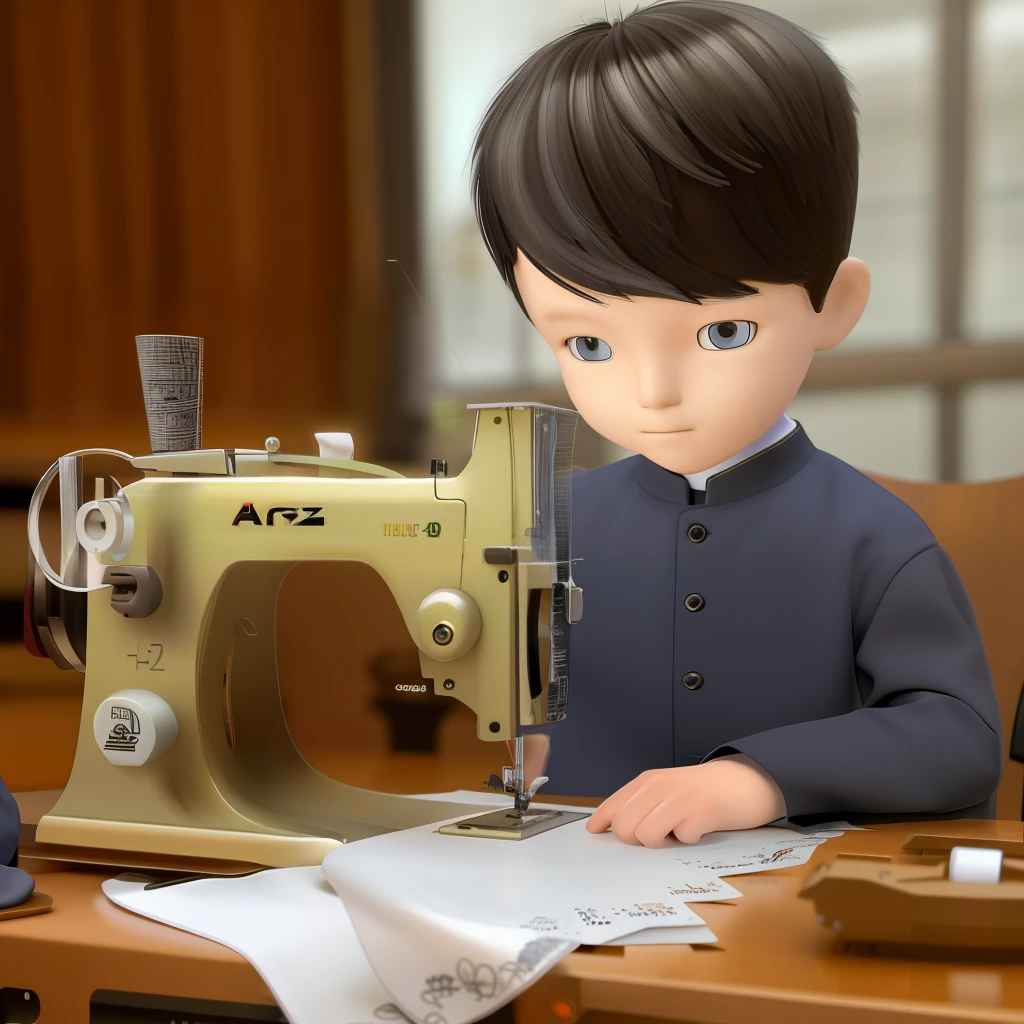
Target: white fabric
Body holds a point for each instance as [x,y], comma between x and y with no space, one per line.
[289,924]
[667,936]
[565,882]
[430,906]
[775,433]
[447,929]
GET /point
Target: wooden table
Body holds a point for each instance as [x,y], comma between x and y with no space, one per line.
[773,963]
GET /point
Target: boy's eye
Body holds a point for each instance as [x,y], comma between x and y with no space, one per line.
[726,334]
[590,349]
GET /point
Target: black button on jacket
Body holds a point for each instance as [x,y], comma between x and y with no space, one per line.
[837,645]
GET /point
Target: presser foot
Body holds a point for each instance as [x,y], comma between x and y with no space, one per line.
[515,822]
[508,823]
[511,784]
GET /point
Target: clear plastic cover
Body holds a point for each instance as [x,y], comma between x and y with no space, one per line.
[554,432]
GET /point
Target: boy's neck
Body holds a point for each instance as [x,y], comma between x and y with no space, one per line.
[775,433]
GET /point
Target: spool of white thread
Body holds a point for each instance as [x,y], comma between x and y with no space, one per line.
[335,445]
[974,864]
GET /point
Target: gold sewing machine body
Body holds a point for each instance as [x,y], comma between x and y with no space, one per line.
[183,750]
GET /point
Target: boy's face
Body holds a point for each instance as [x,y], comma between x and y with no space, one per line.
[688,385]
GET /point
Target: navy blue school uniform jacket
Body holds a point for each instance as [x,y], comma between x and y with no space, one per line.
[801,615]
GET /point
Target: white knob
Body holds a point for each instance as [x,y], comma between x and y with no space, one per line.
[335,446]
[448,624]
[975,864]
[105,527]
[134,727]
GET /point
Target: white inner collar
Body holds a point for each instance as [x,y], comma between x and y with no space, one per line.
[781,428]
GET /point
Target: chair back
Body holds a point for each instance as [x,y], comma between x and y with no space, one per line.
[981,527]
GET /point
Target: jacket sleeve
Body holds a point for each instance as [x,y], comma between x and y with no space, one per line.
[10,827]
[927,739]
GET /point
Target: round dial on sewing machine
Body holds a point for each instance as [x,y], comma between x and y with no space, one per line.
[449,624]
[134,727]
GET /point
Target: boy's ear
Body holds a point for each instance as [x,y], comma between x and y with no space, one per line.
[844,304]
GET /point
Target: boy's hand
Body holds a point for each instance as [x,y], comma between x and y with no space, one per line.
[728,793]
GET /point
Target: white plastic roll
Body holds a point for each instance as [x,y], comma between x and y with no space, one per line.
[973,864]
[335,445]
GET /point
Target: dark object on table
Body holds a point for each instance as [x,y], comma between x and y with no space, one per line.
[408,702]
[10,829]
[108,1006]
[1016,752]
[15,887]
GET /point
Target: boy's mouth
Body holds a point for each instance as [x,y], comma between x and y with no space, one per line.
[681,430]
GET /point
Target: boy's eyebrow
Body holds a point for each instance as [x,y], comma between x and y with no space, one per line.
[712,300]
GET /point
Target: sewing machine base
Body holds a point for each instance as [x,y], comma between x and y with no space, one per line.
[507,824]
[138,844]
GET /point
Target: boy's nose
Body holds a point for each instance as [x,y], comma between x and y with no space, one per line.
[658,384]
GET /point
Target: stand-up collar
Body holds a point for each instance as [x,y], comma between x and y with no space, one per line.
[758,473]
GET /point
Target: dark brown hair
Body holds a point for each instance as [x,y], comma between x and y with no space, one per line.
[677,152]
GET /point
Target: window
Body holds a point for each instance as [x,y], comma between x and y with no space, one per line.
[938,359]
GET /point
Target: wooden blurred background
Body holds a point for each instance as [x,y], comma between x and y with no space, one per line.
[226,168]
[187,166]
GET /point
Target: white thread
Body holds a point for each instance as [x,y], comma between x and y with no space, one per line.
[975,864]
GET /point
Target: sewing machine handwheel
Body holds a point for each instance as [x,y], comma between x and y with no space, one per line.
[55,621]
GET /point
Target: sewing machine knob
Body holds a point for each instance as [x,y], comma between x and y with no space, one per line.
[448,624]
[574,605]
[105,527]
[134,727]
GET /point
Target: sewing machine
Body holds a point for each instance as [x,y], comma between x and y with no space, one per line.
[166,598]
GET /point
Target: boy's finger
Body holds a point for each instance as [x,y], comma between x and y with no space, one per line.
[692,828]
[601,817]
[605,812]
[657,827]
[634,811]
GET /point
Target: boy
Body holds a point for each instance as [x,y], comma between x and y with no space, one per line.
[769,636]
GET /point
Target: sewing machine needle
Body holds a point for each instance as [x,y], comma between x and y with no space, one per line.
[522,798]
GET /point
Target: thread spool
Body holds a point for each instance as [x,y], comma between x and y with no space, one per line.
[171,366]
[975,864]
[335,445]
